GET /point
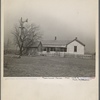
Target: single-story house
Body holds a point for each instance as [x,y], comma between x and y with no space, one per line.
[69,47]
[55,46]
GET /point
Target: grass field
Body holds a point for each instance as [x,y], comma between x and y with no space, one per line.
[43,66]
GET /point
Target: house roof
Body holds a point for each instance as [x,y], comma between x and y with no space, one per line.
[77,41]
[59,43]
[33,44]
[36,44]
[54,43]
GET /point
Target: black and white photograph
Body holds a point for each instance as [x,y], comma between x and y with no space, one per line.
[49,38]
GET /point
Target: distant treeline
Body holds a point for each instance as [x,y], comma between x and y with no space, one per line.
[10,51]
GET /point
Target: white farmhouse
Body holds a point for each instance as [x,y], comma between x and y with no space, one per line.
[69,47]
[76,47]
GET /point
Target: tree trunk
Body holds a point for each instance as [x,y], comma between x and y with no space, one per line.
[20,52]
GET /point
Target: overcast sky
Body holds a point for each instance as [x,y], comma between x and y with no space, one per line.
[65,19]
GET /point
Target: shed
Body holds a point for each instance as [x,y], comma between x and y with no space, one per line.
[34,48]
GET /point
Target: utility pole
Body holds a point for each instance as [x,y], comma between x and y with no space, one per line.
[21,24]
[22,34]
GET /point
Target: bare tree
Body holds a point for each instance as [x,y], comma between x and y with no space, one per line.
[25,35]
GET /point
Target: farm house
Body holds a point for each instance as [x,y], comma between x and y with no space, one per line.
[69,47]
[56,46]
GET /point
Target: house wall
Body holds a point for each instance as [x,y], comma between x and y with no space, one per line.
[32,51]
[70,48]
[35,51]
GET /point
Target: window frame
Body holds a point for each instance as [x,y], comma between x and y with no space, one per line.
[75,48]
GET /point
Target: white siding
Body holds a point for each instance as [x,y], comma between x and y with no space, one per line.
[70,48]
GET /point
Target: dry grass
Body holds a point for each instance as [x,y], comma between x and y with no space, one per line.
[42,66]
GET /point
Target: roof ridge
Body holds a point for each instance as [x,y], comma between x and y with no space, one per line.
[59,42]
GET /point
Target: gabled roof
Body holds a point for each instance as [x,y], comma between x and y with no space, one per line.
[54,43]
[77,41]
[33,44]
[59,43]
[36,44]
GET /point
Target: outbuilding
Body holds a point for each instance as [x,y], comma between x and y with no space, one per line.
[33,49]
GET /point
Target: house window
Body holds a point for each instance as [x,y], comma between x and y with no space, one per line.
[65,49]
[57,49]
[62,49]
[52,49]
[75,48]
[44,49]
[48,49]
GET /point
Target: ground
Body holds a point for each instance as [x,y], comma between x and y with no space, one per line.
[44,66]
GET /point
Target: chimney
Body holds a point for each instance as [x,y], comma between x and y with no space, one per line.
[76,38]
[55,38]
